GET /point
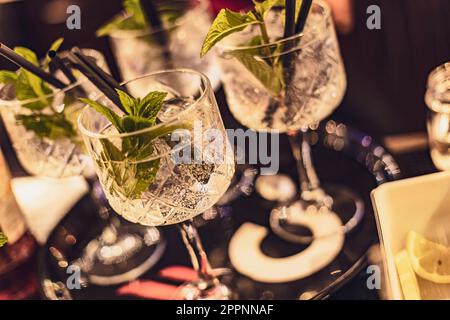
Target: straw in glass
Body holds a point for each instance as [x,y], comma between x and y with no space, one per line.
[20,61]
[59,64]
[154,20]
[303,16]
[82,63]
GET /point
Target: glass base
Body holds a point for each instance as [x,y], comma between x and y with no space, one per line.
[122,253]
[207,290]
[302,221]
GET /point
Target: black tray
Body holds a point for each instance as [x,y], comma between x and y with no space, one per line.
[342,155]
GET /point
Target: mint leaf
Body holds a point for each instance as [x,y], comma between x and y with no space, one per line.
[262,8]
[226,23]
[150,105]
[24,92]
[111,152]
[267,68]
[3,239]
[130,178]
[47,126]
[56,44]
[255,41]
[118,23]
[127,102]
[37,84]
[27,54]
[54,47]
[131,170]
[134,9]
[270,77]
[146,173]
[29,86]
[112,160]
[7,77]
[134,123]
[105,111]
[133,17]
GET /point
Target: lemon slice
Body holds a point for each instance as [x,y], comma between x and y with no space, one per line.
[407,277]
[430,260]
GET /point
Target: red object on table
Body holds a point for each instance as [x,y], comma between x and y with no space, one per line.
[17,256]
[235,5]
[157,290]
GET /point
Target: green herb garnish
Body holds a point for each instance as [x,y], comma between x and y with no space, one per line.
[42,118]
[3,239]
[268,70]
[133,17]
[132,174]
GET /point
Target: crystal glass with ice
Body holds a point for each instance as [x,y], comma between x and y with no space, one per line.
[305,84]
[65,156]
[188,166]
[42,155]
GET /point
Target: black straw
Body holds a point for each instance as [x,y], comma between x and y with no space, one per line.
[153,19]
[20,61]
[303,16]
[289,26]
[99,71]
[289,30]
[151,14]
[99,82]
[299,26]
[57,61]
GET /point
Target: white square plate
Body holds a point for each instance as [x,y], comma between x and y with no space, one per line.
[402,206]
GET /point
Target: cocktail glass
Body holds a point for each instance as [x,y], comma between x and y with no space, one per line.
[102,260]
[187,167]
[292,99]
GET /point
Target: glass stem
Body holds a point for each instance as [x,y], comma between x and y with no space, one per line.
[197,254]
[309,182]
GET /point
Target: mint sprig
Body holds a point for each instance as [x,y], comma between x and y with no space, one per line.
[133,18]
[268,71]
[8,77]
[227,22]
[270,76]
[131,173]
[42,119]
[3,239]
[29,86]
[50,126]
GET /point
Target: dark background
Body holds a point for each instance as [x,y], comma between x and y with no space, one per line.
[386,69]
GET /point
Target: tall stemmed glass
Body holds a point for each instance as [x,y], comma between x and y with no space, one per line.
[187,153]
[315,83]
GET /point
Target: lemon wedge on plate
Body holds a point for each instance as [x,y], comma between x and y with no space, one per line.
[430,260]
[407,277]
